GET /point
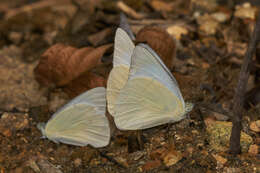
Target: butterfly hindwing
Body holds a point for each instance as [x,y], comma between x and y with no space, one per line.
[145,103]
[82,121]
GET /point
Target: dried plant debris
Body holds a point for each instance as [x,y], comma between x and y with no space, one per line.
[177,31]
[84,82]
[159,5]
[245,11]
[255,126]
[16,121]
[18,88]
[219,134]
[70,67]
[208,24]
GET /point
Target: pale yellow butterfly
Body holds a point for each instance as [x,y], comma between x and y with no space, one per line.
[151,96]
[80,122]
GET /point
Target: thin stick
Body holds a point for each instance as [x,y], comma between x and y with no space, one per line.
[125,25]
[214,108]
[129,11]
[111,159]
[239,97]
[34,6]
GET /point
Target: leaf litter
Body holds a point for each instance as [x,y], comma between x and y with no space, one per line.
[207,47]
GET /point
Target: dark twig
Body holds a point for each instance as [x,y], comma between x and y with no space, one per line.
[208,88]
[214,108]
[125,25]
[235,147]
[13,111]
[111,159]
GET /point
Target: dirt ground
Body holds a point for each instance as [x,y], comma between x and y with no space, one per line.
[203,42]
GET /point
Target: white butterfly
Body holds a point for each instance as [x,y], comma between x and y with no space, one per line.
[151,95]
[118,76]
[80,122]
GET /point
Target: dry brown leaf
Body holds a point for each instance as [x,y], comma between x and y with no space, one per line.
[151,165]
[157,153]
[207,24]
[245,11]
[83,83]
[159,5]
[160,41]
[177,31]
[255,126]
[221,160]
[89,5]
[97,38]
[203,5]
[61,64]
[171,157]
[129,11]
[253,149]
[168,154]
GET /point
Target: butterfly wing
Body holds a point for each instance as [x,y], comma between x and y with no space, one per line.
[123,49]
[121,63]
[144,56]
[82,121]
[151,95]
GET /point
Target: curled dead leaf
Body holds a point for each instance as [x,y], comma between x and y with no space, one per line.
[160,41]
[168,154]
[84,82]
[61,64]
[172,157]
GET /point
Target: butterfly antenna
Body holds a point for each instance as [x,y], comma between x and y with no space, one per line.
[125,26]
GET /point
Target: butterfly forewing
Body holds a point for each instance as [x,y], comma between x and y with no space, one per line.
[123,48]
[117,80]
[119,74]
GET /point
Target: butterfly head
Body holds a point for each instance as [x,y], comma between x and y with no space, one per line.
[188,107]
[41,127]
